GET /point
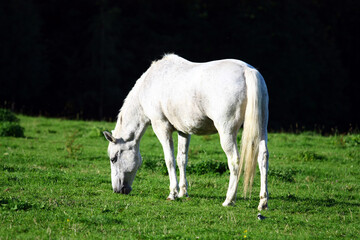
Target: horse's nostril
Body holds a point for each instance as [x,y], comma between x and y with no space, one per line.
[126,190]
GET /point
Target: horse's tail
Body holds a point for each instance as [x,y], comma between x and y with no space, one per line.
[253,123]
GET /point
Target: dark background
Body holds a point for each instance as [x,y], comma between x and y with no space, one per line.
[79,59]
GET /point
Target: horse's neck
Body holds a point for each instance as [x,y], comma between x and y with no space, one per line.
[132,122]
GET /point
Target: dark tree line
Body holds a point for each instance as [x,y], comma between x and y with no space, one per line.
[80,58]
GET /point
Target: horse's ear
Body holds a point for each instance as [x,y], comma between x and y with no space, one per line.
[109,137]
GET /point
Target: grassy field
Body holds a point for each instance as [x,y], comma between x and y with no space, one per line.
[55,183]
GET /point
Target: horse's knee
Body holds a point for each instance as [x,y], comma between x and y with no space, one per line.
[262,146]
[234,165]
[263,153]
[181,160]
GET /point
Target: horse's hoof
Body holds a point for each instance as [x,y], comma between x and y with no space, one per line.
[227,203]
[263,205]
[262,208]
[171,197]
[181,194]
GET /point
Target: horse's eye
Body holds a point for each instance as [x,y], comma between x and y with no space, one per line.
[114,159]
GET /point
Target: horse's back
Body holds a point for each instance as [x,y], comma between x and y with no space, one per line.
[194,97]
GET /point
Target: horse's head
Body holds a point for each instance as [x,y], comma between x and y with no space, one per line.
[125,160]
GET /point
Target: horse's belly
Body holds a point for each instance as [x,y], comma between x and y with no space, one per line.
[194,125]
[200,126]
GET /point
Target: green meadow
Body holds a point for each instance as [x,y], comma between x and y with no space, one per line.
[55,184]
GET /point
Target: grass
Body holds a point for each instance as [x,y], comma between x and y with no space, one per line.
[55,183]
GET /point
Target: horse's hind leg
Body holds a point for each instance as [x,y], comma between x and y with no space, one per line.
[182,158]
[228,144]
[263,161]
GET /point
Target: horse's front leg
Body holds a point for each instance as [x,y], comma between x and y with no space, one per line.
[263,161]
[182,158]
[163,131]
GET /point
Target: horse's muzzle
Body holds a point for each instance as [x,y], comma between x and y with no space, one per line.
[123,190]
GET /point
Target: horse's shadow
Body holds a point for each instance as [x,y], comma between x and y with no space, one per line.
[207,197]
[314,203]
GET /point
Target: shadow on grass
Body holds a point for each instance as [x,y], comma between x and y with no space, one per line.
[310,204]
[207,196]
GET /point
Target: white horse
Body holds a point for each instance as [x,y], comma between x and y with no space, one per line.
[194,98]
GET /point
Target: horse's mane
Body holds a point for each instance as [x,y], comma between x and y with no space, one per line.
[130,103]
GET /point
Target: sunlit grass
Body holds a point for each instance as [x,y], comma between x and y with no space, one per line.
[55,183]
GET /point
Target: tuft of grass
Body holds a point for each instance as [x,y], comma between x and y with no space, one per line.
[7,116]
[11,129]
[287,174]
[9,124]
[208,166]
[96,131]
[155,164]
[72,148]
[348,140]
[309,156]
